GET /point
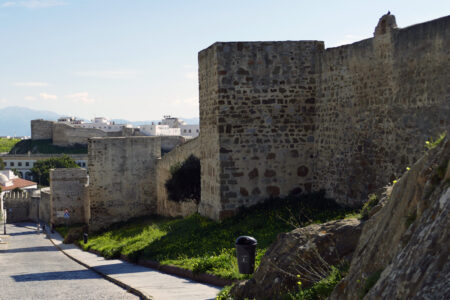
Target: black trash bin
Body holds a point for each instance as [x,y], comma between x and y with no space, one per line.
[85,238]
[245,252]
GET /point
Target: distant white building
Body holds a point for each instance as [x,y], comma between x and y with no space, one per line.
[97,123]
[171,126]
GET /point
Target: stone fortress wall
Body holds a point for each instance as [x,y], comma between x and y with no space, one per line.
[165,207]
[281,118]
[41,129]
[122,178]
[20,206]
[68,192]
[63,134]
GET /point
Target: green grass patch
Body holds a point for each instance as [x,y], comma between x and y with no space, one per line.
[202,245]
[46,147]
[321,289]
[7,144]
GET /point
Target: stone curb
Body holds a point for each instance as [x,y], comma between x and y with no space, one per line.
[125,286]
[177,271]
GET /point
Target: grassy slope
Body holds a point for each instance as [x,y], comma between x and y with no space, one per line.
[202,245]
[7,144]
[46,147]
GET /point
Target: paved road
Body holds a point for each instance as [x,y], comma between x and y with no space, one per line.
[32,268]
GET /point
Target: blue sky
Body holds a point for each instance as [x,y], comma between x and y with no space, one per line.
[137,59]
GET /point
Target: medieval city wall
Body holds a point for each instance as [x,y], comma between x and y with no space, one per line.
[66,135]
[379,100]
[41,130]
[122,178]
[166,207]
[20,206]
[262,109]
[68,193]
[281,118]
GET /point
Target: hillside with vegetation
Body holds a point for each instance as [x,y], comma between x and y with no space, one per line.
[45,147]
[6,144]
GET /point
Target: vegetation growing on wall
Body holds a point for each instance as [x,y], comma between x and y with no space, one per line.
[2,164]
[184,184]
[41,169]
[46,147]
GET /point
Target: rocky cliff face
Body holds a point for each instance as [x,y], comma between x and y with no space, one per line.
[308,252]
[403,251]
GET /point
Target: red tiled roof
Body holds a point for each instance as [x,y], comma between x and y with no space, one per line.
[18,183]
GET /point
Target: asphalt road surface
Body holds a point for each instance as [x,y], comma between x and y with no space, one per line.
[32,268]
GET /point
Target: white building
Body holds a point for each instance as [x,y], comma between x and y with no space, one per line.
[23,163]
[171,126]
[159,130]
[97,123]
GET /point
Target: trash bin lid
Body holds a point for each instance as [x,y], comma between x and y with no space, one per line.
[246,240]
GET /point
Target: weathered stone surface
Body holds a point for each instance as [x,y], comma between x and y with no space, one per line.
[408,239]
[299,252]
[69,192]
[347,120]
[122,179]
[166,207]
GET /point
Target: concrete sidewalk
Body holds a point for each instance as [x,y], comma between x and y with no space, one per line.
[145,282]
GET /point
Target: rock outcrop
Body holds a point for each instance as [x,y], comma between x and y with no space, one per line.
[308,252]
[403,251]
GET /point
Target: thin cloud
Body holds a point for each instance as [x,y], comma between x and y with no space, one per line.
[34,3]
[107,74]
[30,98]
[3,100]
[31,84]
[46,96]
[81,97]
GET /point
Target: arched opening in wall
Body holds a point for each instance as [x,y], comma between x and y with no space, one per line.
[184,183]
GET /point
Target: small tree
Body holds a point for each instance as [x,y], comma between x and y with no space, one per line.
[184,184]
[41,169]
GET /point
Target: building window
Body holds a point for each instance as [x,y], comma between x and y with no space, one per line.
[184,131]
[189,131]
[27,164]
[19,164]
[197,130]
[11,164]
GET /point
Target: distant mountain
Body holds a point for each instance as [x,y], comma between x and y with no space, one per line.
[15,120]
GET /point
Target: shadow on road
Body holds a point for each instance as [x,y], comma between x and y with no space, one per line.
[31,249]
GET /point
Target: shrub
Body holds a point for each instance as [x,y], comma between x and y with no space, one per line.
[184,184]
[430,144]
[373,200]
[41,169]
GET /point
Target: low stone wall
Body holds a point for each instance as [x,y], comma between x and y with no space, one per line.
[168,143]
[68,192]
[165,207]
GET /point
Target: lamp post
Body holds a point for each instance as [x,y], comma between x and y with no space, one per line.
[4,222]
